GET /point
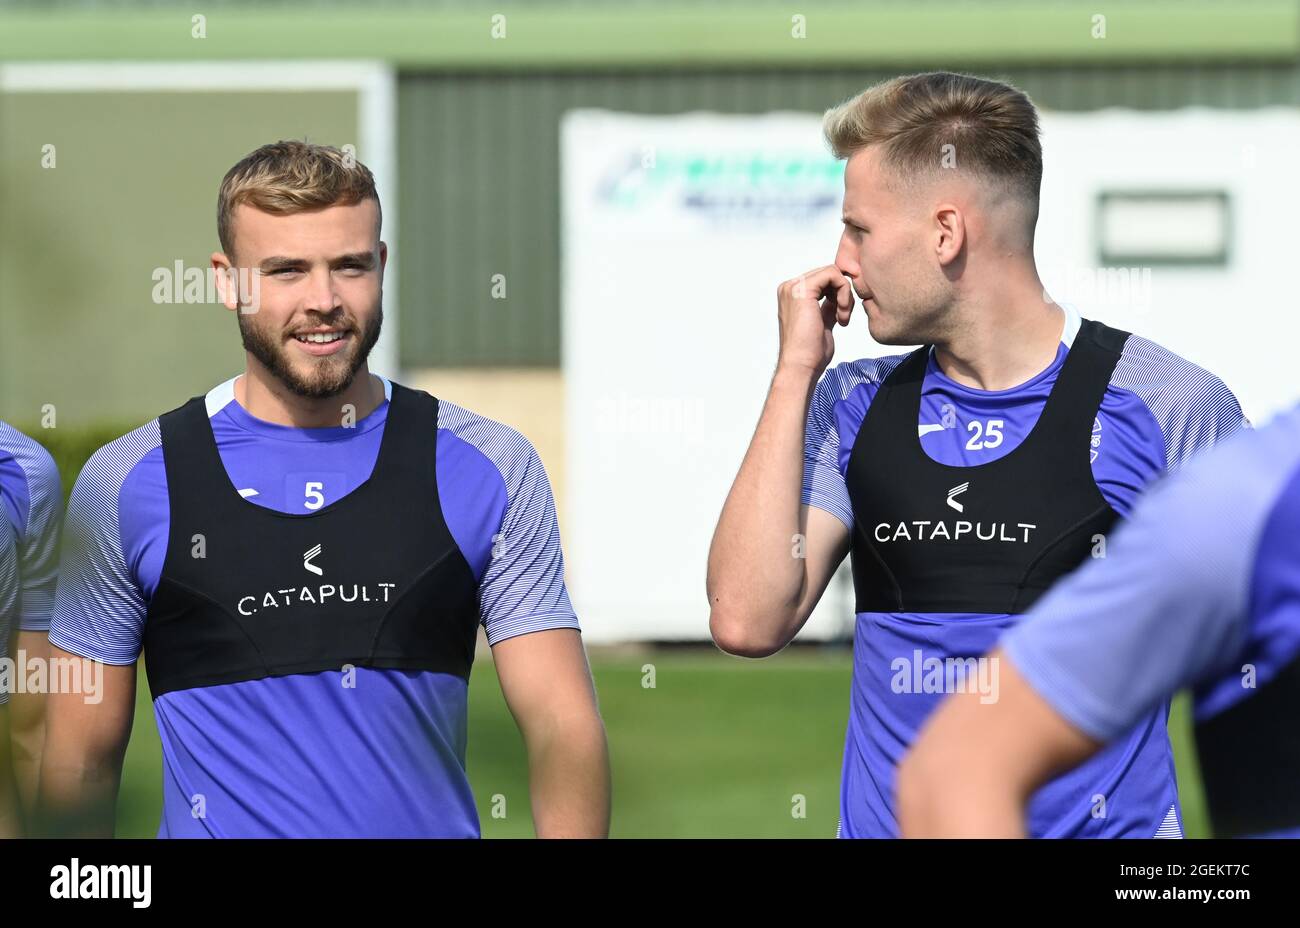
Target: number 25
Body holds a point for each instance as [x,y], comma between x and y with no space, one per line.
[990,433]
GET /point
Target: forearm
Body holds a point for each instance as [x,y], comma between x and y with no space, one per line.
[78,793]
[27,739]
[11,819]
[85,744]
[27,717]
[959,802]
[569,779]
[755,575]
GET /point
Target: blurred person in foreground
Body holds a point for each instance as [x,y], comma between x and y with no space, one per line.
[31,514]
[1200,588]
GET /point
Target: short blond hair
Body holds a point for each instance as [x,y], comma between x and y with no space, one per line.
[291,177]
[993,128]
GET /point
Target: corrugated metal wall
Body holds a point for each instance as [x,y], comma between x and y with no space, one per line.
[479,174]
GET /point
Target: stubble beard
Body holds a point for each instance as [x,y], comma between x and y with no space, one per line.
[326,376]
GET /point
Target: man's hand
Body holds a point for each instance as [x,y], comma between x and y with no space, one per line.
[807,307]
[772,557]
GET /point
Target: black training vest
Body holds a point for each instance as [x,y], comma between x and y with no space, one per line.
[991,538]
[373,579]
[1250,760]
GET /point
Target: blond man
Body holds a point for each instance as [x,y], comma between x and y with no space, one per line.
[303,556]
[967,476]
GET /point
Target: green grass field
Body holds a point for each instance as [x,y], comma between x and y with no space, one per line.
[716,748]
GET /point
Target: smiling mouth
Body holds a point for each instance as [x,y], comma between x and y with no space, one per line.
[324,342]
[320,338]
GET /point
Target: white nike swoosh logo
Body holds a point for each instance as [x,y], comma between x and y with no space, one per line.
[247,492]
[927,429]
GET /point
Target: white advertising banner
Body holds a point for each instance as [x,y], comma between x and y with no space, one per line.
[678,229]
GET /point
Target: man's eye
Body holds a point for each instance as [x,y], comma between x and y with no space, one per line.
[284,271]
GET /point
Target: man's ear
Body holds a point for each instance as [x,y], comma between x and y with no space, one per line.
[226,280]
[950,229]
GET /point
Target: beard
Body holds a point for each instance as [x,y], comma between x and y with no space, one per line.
[926,330]
[324,376]
[923,317]
[890,329]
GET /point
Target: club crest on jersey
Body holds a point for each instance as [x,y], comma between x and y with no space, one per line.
[954,493]
[307,558]
[1096,439]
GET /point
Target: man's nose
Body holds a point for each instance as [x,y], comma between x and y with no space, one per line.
[323,296]
[845,259]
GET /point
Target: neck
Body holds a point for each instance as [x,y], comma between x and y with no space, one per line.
[1011,335]
[266,398]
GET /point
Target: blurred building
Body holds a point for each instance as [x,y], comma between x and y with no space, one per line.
[470,126]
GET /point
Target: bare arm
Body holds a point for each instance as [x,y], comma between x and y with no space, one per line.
[547,685]
[85,742]
[975,765]
[27,718]
[772,557]
[11,820]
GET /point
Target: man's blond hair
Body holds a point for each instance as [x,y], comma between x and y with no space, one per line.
[992,129]
[291,177]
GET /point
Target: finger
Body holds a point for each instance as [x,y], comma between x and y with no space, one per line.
[844,300]
[829,310]
[817,283]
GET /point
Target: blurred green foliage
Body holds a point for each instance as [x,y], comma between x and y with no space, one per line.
[72,447]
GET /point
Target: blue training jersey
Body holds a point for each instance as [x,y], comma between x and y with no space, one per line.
[31,513]
[8,592]
[1200,588]
[1157,412]
[301,754]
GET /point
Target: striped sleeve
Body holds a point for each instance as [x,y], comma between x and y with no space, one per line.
[823,484]
[522,589]
[829,418]
[99,609]
[1194,409]
[37,540]
[8,592]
